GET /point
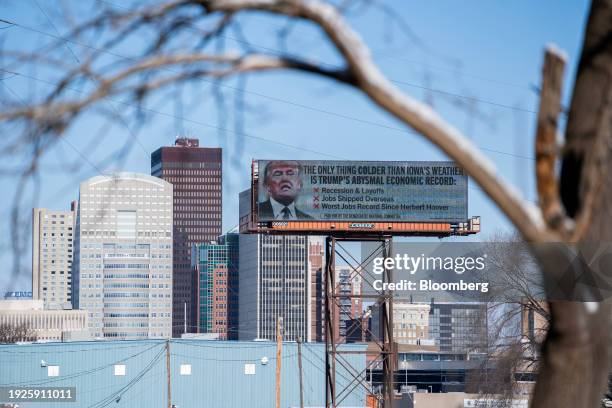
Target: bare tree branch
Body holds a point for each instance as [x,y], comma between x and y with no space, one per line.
[49,112]
[546,141]
[419,116]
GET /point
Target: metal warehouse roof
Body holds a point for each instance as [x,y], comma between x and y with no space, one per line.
[203,373]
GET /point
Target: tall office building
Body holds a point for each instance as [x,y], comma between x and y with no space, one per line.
[275,280]
[52,246]
[195,173]
[349,304]
[456,327]
[123,256]
[316,259]
[217,266]
[459,327]
[279,276]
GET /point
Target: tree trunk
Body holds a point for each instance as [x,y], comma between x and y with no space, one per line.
[576,355]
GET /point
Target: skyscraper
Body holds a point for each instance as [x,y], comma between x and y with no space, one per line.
[276,274]
[275,280]
[195,173]
[316,258]
[459,327]
[52,246]
[122,271]
[348,305]
[217,266]
[348,308]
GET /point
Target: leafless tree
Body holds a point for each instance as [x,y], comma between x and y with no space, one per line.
[175,38]
[10,333]
[493,380]
[518,320]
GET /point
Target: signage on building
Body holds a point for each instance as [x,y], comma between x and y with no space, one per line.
[364,225]
[359,192]
[18,295]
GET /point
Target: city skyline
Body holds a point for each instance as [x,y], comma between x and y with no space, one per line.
[507,80]
[315,132]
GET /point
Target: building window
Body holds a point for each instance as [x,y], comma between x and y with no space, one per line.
[249,369]
[185,369]
[120,369]
[126,224]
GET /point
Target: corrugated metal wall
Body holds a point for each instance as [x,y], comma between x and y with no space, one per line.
[218,373]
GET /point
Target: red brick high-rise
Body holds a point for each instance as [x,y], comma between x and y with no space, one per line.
[196,175]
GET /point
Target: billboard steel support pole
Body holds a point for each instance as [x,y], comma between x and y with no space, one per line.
[330,381]
[385,350]
[387,335]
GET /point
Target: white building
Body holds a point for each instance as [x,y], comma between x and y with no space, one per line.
[45,324]
[411,323]
[122,271]
[52,249]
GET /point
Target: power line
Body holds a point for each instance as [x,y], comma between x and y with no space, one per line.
[258,345]
[196,122]
[149,376]
[338,372]
[471,98]
[114,397]
[80,373]
[276,99]
[63,139]
[132,134]
[232,360]
[385,54]
[332,66]
[51,345]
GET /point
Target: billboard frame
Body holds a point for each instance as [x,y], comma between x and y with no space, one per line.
[350,228]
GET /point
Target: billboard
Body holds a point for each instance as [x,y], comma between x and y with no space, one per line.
[359,191]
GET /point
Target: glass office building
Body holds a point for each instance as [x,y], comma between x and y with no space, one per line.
[122,269]
[216,264]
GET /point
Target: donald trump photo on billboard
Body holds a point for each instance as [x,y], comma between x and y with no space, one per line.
[282,183]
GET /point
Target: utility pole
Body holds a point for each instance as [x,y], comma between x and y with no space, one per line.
[299,346]
[279,353]
[168,373]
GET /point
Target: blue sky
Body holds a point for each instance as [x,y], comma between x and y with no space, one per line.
[476,62]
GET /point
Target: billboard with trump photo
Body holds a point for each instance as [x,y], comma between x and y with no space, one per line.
[357,191]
